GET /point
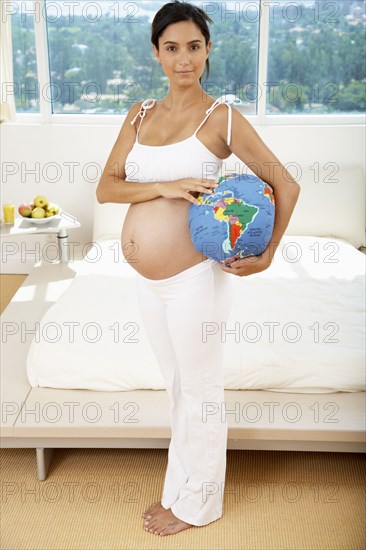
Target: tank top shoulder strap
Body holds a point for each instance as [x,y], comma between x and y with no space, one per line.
[227,102]
[147,104]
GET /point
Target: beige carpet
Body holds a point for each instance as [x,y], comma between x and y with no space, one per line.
[93,500]
[9,284]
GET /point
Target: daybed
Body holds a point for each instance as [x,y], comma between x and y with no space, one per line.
[294,370]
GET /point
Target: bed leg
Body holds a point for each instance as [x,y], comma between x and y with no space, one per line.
[44,459]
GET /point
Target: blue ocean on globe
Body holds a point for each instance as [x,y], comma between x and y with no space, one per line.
[237,219]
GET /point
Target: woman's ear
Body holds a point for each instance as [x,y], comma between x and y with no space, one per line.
[155,52]
[208,47]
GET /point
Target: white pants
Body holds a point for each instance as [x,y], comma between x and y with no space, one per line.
[178,312]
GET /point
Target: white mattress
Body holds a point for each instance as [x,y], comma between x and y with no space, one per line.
[313,293]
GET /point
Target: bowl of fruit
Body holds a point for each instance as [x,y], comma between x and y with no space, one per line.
[39,211]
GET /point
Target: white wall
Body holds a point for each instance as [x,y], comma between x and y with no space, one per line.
[25,145]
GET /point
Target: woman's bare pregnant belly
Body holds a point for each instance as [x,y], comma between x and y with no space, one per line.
[155,238]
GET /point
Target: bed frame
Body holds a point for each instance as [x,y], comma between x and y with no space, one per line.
[48,418]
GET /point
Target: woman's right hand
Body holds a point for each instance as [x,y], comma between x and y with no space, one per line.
[183,189]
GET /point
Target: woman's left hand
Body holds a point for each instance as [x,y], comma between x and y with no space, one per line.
[246,266]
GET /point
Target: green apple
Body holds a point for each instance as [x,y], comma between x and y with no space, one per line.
[40,201]
[38,212]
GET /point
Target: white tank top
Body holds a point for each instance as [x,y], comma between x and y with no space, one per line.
[189,158]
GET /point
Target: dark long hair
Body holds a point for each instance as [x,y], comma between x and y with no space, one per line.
[176,11]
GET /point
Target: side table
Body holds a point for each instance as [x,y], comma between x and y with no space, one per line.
[60,225]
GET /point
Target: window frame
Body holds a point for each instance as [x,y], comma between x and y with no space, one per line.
[45,115]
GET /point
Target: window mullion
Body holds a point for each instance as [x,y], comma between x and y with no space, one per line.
[41,39]
[263,61]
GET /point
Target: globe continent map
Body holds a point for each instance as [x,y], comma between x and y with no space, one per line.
[237,219]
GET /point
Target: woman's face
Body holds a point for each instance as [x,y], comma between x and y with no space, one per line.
[182,49]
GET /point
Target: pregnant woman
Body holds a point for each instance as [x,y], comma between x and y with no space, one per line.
[162,165]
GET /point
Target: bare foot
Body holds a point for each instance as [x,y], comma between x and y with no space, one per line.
[165,523]
[152,509]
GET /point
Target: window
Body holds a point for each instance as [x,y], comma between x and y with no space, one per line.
[279,57]
[26,90]
[99,56]
[316,57]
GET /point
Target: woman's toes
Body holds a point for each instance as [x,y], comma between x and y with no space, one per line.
[152,525]
[153,507]
[148,523]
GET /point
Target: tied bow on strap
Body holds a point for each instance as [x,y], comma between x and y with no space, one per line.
[147,104]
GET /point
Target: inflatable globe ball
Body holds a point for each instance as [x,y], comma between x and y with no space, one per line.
[237,219]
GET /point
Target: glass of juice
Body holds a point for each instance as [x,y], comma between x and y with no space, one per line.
[8,210]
